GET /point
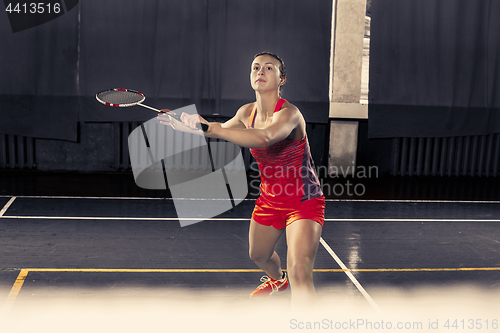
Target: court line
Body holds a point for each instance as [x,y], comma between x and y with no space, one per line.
[415,201]
[411,220]
[116,198]
[146,270]
[16,288]
[7,205]
[350,275]
[247,199]
[458,269]
[251,270]
[122,218]
[230,219]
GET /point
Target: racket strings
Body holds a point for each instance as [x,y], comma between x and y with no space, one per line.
[120,97]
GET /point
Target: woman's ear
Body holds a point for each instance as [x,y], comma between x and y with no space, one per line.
[283,80]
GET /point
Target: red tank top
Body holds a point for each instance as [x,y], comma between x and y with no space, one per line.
[286,167]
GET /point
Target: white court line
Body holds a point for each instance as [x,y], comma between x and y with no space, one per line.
[350,275]
[114,198]
[7,205]
[413,201]
[411,220]
[328,200]
[121,218]
[224,219]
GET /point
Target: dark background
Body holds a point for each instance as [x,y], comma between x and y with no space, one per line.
[434,78]
[175,52]
[434,68]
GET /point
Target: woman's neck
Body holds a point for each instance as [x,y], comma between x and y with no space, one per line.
[266,102]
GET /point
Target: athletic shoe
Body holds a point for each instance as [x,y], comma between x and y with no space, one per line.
[270,286]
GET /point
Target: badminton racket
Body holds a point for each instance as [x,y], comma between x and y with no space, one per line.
[122,98]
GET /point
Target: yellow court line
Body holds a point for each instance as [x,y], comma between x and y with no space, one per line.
[224,270]
[462,269]
[14,291]
[427,269]
[143,270]
[16,288]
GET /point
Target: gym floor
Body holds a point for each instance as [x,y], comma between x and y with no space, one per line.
[85,252]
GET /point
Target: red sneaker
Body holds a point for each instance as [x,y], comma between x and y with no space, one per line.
[270,286]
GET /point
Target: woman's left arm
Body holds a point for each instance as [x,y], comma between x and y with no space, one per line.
[284,122]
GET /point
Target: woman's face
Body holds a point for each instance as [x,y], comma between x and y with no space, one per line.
[265,73]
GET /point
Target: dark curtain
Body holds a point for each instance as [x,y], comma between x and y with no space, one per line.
[175,52]
[38,79]
[434,68]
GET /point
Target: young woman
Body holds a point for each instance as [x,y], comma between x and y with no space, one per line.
[291,198]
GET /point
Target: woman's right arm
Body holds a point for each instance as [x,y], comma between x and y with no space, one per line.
[238,121]
[189,122]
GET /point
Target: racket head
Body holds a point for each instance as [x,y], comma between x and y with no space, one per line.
[119,97]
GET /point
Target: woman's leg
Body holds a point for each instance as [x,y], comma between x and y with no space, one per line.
[302,240]
[262,241]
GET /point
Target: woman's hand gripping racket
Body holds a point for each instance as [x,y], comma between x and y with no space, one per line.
[128,97]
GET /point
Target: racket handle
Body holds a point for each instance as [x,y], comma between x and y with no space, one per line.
[204,127]
[148,107]
[200,126]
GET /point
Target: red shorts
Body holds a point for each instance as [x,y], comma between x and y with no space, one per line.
[281,214]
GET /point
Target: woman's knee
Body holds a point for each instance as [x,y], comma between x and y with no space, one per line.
[257,255]
[300,272]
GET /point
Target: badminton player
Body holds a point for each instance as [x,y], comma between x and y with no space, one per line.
[291,198]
